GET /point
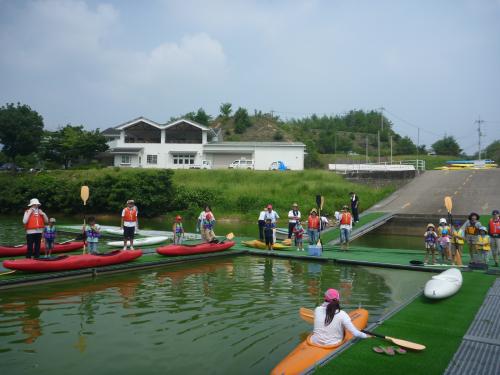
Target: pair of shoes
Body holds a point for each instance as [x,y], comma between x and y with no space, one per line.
[124,247]
[389,350]
[132,248]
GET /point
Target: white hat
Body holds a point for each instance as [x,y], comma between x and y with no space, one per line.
[52,220]
[33,202]
[442,220]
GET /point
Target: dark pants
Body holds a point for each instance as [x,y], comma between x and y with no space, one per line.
[355,214]
[261,229]
[290,228]
[128,233]
[33,241]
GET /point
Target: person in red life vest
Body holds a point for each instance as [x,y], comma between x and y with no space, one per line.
[34,221]
[129,224]
[494,232]
[313,227]
[345,228]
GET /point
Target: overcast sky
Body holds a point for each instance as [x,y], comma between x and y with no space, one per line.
[433,64]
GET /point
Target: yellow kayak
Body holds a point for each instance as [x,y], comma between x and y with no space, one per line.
[307,354]
[261,245]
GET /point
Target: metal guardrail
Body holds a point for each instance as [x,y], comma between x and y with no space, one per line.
[397,166]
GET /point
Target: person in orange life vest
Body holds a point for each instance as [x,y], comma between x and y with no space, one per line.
[313,227]
[345,228]
[494,232]
[129,223]
[471,230]
[34,221]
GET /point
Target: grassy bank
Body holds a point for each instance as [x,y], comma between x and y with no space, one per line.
[232,193]
[244,193]
[440,325]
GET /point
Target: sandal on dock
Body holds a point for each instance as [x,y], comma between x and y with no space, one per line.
[398,350]
[384,350]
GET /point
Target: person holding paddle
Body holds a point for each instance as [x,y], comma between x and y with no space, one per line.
[330,322]
[129,224]
[34,221]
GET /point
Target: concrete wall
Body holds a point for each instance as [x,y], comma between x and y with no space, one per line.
[293,157]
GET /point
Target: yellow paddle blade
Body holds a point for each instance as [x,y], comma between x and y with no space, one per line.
[230,236]
[322,202]
[406,344]
[448,203]
[7,273]
[307,315]
[84,193]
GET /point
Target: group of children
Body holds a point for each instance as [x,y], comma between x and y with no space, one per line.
[449,240]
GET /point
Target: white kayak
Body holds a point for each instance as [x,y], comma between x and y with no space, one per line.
[446,284]
[141,241]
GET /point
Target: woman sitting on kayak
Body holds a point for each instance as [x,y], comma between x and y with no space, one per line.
[330,322]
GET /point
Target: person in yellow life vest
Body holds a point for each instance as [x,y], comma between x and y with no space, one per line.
[129,223]
[457,241]
[494,232]
[34,221]
[483,244]
[471,231]
[345,228]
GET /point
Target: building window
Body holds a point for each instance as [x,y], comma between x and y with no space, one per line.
[152,159]
[125,159]
[183,158]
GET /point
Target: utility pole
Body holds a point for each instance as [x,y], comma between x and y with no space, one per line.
[391,147]
[335,143]
[366,148]
[479,135]
[382,118]
[378,141]
[418,147]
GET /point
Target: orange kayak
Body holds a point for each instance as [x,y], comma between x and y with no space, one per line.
[307,354]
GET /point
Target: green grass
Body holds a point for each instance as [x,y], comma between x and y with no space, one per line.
[244,193]
[440,325]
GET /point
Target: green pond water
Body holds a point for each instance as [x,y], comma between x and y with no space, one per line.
[231,315]
[390,241]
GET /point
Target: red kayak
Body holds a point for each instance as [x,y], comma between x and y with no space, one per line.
[194,249]
[72,262]
[12,251]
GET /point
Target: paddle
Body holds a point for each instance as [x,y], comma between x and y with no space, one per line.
[308,316]
[229,237]
[448,203]
[320,200]
[84,194]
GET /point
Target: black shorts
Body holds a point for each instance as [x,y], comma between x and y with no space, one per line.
[128,233]
[269,239]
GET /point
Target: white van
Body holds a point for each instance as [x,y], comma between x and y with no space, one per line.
[205,164]
[242,164]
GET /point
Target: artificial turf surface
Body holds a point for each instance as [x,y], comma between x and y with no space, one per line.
[440,325]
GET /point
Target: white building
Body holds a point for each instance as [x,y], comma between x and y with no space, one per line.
[186,144]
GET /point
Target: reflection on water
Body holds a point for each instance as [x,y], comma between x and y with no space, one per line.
[389,241]
[237,315]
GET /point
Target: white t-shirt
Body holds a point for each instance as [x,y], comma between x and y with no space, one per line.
[334,332]
[273,215]
[262,215]
[129,223]
[292,217]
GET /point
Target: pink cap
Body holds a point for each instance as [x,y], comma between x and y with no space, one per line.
[269,206]
[332,294]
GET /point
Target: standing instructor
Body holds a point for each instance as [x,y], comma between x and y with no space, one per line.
[129,224]
[34,221]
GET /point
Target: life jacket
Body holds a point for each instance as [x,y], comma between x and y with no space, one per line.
[443,231]
[178,228]
[345,218]
[484,243]
[208,221]
[35,221]
[430,237]
[313,222]
[49,233]
[456,237]
[298,232]
[91,233]
[130,214]
[471,230]
[494,227]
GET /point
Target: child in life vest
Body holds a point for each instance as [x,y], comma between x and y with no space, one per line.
[269,234]
[49,236]
[457,242]
[93,232]
[178,230]
[443,233]
[494,232]
[471,231]
[298,233]
[430,238]
[483,244]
